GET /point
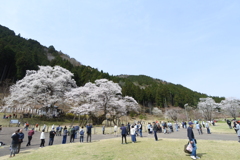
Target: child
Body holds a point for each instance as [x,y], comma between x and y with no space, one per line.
[81,133]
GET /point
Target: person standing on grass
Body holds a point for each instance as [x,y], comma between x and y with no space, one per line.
[42,138]
[72,133]
[30,134]
[81,133]
[238,130]
[124,133]
[129,128]
[65,133]
[155,131]
[15,140]
[192,140]
[89,132]
[133,134]
[52,134]
[21,137]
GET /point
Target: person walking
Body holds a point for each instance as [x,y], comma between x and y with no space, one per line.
[14,144]
[198,128]
[81,133]
[57,130]
[42,138]
[115,128]
[155,131]
[21,137]
[192,140]
[176,126]
[89,132]
[124,133]
[60,131]
[238,130]
[103,129]
[229,124]
[65,133]
[72,133]
[149,126]
[208,129]
[52,134]
[235,125]
[30,134]
[140,128]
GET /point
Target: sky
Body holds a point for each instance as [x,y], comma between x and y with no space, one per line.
[192,43]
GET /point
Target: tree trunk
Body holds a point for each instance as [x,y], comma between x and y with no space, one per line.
[73,120]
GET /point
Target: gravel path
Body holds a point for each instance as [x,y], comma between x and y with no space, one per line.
[5,136]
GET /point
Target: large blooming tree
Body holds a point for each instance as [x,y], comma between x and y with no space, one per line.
[100,99]
[207,106]
[46,86]
[231,107]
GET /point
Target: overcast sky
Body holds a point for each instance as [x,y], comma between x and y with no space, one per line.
[192,43]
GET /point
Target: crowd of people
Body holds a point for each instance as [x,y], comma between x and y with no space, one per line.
[72,131]
[133,130]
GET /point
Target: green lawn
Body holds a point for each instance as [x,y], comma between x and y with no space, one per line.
[145,148]
[221,128]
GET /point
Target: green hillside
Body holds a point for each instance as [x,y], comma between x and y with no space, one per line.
[18,54]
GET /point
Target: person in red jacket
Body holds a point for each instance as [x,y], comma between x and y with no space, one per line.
[30,134]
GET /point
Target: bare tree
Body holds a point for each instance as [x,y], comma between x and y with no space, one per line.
[173,113]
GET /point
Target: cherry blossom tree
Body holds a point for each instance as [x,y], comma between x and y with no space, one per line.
[231,107]
[173,113]
[99,99]
[207,106]
[46,86]
[157,112]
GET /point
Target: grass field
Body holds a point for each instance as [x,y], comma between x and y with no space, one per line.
[221,128]
[146,148]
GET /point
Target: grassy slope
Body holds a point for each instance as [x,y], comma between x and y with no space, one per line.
[146,148]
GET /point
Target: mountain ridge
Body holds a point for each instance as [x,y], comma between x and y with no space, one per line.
[18,54]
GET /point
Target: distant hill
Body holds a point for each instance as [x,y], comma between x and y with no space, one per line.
[18,54]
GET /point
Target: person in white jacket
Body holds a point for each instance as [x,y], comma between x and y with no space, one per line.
[42,137]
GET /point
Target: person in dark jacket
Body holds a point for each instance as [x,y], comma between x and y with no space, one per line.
[21,137]
[30,134]
[192,140]
[52,134]
[72,134]
[14,145]
[89,131]
[155,130]
[124,133]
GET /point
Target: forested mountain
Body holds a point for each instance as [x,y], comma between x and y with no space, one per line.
[18,54]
